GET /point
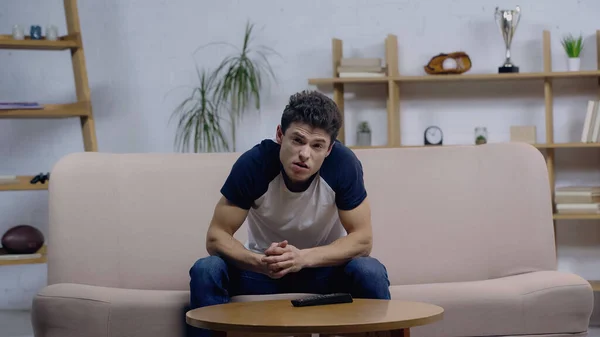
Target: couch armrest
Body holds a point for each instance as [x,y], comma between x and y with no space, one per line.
[77,310]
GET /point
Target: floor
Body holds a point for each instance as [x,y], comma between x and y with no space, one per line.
[17,324]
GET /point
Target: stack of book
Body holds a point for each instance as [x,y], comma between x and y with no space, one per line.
[591,125]
[361,67]
[577,200]
[19,105]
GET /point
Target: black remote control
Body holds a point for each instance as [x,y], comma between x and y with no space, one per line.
[322,300]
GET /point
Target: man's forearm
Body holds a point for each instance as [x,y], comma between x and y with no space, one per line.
[222,244]
[339,252]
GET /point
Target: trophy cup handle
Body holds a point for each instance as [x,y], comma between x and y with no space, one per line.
[518,10]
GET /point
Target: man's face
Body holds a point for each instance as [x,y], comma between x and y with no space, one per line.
[303,150]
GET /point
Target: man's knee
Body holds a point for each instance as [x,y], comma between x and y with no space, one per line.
[367,267]
[210,266]
[369,278]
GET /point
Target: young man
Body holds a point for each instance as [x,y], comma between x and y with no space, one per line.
[305,204]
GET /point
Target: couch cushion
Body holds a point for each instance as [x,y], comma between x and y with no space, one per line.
[547,302]
[75,310]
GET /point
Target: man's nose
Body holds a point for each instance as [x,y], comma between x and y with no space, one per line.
[304,152]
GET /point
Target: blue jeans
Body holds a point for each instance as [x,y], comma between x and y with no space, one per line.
[214,281]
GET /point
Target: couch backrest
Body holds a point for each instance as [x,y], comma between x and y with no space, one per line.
[460,213]
[439,214]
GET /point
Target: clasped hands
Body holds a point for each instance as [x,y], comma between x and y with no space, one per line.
[281,259]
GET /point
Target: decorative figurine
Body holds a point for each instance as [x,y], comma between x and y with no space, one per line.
[51,33]
[18,32]
[40,178]
[36,32]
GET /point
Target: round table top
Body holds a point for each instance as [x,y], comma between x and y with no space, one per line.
[279,316]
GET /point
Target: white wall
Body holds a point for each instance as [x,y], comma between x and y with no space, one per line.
[138,51]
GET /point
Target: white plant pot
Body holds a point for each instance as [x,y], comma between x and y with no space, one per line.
[363,139]
[574,63]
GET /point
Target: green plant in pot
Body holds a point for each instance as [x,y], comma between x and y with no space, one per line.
[229,90]
[199,127]
[363,136]
[573,47]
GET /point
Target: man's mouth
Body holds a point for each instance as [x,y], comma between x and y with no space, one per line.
[302,165]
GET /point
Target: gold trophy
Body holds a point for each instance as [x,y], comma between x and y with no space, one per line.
[507,21]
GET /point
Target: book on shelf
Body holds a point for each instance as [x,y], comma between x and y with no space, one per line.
[16,257]
[4,179]
[20,105]
[361,67]
[590,132]
[577,200]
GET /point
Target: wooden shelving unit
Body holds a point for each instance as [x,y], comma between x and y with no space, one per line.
[393,80]
[81,109]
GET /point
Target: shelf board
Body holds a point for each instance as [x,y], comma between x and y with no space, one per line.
[23,184]
[566,145]
[470,77]
[575,74]
[15,262]
[576,216]
[78,109]
[63,43]
[462,77]
[364,80]
[499,77]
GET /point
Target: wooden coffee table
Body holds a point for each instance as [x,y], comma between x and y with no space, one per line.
[376,317]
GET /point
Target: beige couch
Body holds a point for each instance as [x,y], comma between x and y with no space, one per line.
[467,228]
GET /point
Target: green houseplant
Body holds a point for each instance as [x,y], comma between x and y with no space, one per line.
[573,47]
[199,120]
[229,90]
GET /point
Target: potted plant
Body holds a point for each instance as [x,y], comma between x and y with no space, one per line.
[199,120]
[573,47]
[230,89]
[363,136]
[480,135]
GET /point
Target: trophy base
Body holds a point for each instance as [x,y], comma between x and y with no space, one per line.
[508,69]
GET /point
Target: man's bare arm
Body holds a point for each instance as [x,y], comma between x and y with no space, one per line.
[227,219]
[358,242]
